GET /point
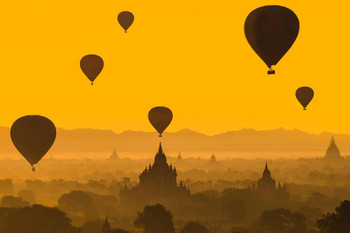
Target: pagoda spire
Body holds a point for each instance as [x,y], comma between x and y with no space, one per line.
[266,171]
[106,226]
[114,155]
[160,156]
[179,158]
[333,152]
[266,181]
[160,150]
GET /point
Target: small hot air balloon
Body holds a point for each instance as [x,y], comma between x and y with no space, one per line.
[91,65]
[160,118]
[271,31]
[125,19]
[304,96]
[33,136]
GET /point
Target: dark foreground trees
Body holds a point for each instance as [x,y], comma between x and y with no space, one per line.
[194,227]
[77,203]
[281,220]
[13,202]
[118,231]
[92,226]
[154,219]
[81,206]
[338,222]
[35,219]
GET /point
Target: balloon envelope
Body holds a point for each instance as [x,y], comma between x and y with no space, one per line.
[33,136]
[125,19]
[91,65]
[304,95]
[160,118]
[271,31]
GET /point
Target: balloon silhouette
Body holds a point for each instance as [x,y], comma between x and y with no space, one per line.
[125,19]
[91,65]
[33,136]
[160,118]
[271,31]
[304,96]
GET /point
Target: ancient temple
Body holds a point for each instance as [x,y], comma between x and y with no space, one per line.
[160,175]
[266,182]
[333,152]
[114,155]
[157,184]
[213,158]
[179,159]
[213,163]
[106,228]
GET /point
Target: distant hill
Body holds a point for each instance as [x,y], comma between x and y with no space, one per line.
[247,143]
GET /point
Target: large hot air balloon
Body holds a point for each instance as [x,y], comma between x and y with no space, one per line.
[160,118]
[33,136]
[125,19]
[304,96]
[91,65]
[271,31]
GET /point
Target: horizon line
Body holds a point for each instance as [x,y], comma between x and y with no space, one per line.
[198,132]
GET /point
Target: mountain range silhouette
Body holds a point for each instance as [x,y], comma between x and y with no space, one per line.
[248,143]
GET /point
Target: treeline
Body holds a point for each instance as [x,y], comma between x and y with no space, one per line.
[156,219]
[98,198]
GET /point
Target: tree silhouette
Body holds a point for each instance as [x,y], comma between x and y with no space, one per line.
[281,220]
[194,227]
[13,202]
[338,222]
[235,209]
[27,195]
[155,219]
[35,219]
[118,231]
[240,230]
[77,203]
[92,226]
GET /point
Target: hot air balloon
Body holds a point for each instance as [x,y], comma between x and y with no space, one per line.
[33,136]
[125,19]
[304,96]
[160,118]
[91,65]
[271,31]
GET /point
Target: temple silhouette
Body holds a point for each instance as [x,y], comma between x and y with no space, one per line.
[262,193]
[266,182]
[333,153]
[179,159]
[114,156]
[213,162]
[106,227]
[158,184]
[213,158]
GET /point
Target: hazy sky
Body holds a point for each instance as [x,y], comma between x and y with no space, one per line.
[191,56]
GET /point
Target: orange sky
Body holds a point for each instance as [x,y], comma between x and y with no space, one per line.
[191,56]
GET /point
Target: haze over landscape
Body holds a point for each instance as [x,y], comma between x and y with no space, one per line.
[84,103]
[245,143]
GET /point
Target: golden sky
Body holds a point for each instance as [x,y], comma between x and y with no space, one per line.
[191,56]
